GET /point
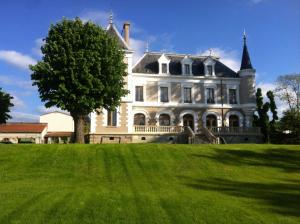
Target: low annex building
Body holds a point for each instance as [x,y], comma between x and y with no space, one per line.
[60,127]
[16,132]
[170,91]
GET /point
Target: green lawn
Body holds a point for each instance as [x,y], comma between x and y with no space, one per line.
[149,183]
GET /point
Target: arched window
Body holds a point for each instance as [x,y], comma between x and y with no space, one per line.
[188,120]
[234,121]
[139,119]
[164,120]
[211,121]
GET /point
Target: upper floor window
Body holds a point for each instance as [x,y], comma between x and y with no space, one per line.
[187,69]
[111,118]
[139,93]
[209,70]
[164,68]
[210,93]
[232,96]
[187,91]
[164,95]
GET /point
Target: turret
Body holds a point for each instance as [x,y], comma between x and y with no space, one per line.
[247,84]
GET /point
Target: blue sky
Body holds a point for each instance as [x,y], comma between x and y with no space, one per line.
[192,27]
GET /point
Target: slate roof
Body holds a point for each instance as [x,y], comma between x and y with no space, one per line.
[22,127]
[246,62]
[112,30]
[149,65]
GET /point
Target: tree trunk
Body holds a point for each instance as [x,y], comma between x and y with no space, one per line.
[78,128]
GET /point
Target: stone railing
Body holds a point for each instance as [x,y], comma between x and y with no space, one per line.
[151,129]
[209,135]
[235,130]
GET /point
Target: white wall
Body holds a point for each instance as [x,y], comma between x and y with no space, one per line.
[58,122]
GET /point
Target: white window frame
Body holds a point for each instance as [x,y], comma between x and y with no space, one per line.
[207,62]
[168,85]
[186,61]
[105,114]
[163,60]
[187,85]
[144,93]
[236,87]
[210,86]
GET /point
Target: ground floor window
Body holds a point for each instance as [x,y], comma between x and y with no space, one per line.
[111,118]
[234,121]
[211,121]
[164,120]
[139,119]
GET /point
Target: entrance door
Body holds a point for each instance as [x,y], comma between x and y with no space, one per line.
[188,120]
[211,121]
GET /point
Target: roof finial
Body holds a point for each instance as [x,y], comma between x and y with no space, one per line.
[244,36]
[111,17]
[147,46]
[210,51]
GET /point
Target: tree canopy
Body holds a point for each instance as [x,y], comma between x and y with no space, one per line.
[82,69]
[5,104]
[288,90]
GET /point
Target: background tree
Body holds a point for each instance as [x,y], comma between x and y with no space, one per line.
[262,119]
[288,90]
[82,70]
[273,108]
[5,104]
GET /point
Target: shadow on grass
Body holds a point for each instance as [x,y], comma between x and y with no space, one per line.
[281,198]
[286,159]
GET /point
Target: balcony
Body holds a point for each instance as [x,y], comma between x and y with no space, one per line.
[152,129]
[235,130]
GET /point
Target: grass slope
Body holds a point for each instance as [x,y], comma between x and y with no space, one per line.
[150,183]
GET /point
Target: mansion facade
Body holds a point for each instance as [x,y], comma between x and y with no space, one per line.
[168,92]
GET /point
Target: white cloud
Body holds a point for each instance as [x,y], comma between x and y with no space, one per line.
[18,103]
[97,16]
[228,57]
[37,48]
[44,110]
[265,87]
[17,59]
[23,117]
[139,47]
[27,85]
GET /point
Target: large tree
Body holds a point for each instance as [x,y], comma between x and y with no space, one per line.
[288,90]
[82,69]
[5,104]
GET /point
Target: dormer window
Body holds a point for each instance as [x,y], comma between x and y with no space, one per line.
[187,69]
[163,63]
[209,70]
[164,68]
[209,64]
[186,65]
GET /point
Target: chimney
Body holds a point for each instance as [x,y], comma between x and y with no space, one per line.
[126,28]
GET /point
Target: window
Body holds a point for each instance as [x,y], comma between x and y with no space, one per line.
[164,120]
[139,119]
[209,69]
[187,69]
[164,68]
[211,121]
[210,93]
[139,96]
[164,97]
[111,118]
[232,96]
[234,121]
[187,95]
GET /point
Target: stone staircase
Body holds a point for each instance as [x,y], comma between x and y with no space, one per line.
[202,136]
